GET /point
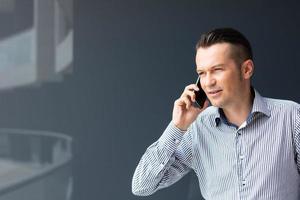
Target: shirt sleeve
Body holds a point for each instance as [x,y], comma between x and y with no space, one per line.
[165,162]
[297,137]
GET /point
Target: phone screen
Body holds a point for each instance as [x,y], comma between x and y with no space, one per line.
[200,94]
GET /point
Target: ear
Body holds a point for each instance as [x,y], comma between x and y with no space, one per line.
[247,69]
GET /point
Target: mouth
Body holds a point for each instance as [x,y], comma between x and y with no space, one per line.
[214,93]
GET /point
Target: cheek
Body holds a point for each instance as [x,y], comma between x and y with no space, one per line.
[201,83]
[233,85]
[224,80]
[232,78]
[229,83]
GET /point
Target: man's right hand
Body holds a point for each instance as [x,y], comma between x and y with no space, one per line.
[184,113]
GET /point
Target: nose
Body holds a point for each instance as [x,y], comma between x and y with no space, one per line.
[208,81]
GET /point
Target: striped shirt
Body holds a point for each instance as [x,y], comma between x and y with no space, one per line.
[258,160]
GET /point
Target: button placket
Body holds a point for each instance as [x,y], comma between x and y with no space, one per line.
[240,157]
[244,182]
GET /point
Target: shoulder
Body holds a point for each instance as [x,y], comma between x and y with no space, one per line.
[210,111]
[281,104]
[208,115]
[204,122]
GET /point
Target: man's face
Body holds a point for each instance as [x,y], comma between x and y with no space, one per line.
[220,75]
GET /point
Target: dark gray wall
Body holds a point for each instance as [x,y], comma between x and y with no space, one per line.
[132,60]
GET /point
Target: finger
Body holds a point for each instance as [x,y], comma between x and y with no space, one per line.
[187,102]
[182,101]
[197,109]
[190,94]
[191,87]
[179,102]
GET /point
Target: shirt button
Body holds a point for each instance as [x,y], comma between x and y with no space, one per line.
[177,142]
[161,165]
[244,182]
[242,157]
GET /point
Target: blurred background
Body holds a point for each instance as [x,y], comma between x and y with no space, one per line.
[87,86]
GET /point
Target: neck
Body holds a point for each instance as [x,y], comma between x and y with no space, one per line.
[238,111]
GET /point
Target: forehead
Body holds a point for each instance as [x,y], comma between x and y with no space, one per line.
[216,54]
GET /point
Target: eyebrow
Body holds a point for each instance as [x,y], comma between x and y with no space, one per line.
[214,66]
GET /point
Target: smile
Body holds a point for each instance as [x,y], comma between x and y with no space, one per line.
[214,93]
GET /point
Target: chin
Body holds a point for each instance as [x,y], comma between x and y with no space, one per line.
[216,104]
[213,103]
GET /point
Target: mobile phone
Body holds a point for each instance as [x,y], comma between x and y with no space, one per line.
[200,94]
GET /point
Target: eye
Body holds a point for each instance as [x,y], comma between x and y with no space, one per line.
[218,69]
[201,73]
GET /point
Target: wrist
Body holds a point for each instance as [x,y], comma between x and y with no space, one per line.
[181,127]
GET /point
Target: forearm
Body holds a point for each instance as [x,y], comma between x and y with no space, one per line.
[160,166]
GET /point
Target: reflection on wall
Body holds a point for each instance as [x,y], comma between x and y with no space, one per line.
[35,165]
[36,41]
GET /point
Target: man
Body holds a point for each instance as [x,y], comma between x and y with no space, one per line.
[243,146]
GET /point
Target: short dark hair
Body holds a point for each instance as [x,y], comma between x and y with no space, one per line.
[227,35]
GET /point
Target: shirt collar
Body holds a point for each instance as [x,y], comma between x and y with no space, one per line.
[259,106]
